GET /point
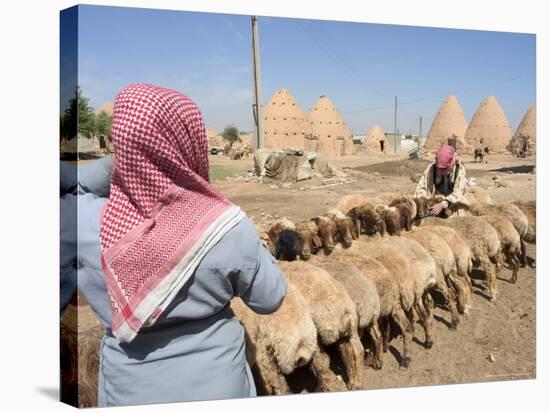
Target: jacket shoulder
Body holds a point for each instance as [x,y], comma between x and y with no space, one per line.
[238,248]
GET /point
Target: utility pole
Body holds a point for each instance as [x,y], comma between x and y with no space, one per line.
[395,127]
[420,133]
[256,105]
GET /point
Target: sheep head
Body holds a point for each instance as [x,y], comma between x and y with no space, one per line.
[309,238]
[353,214]
[391,217]
[371,221]
[326,228]
[345,231]
[287,246]
[422,208]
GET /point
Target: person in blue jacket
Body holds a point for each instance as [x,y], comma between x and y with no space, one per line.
[195,349]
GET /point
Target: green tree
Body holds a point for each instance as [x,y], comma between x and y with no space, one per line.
[78,117]
[231,135]
[103,123]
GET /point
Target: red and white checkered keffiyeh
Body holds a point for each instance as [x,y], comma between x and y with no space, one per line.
[162,215]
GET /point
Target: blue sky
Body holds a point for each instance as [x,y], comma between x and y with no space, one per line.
[359,66]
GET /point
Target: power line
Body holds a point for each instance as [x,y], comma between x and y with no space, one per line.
[332,54]
[410,102]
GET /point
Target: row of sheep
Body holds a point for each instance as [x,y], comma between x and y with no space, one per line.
[370,263]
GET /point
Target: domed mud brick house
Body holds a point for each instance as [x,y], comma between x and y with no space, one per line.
[449,124]
[329,129]
[524,141]
[284,122]
[375,142]
[489,127]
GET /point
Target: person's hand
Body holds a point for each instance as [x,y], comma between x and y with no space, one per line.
[436,209]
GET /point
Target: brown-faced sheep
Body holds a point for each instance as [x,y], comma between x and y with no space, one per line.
[513,214]
[510,242]
[392,218]
[367,220]
[308,235]
[332,311]
[529,208]
[422,208]
[80,365]
[407,211]
[464,262]
[425,275]
[476,194]
[264,239]
[327,230]
[388,197]
[346,231]
[482,239]
[277,227]
[413,268]
[361,289]
[280,342]
[446,267]
[349,201]
[394,297]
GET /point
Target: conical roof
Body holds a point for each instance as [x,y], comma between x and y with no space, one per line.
[528,129]
[284,122]
[489,127]
[106,107]
[449,120]
[329,128]
[376,141]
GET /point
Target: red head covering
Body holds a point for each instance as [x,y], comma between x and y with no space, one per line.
[446,157]
[162,215]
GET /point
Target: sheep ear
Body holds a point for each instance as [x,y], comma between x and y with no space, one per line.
[278,249]
[317,241]
[380,208]
[383,228]
[316,220]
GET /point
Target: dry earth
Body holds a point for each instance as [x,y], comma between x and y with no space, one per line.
[496,342]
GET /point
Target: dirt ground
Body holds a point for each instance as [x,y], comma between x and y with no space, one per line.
[496,342]
[503,331]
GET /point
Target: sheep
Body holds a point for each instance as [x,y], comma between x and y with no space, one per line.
[425,275]
[80,365]
[392,218]
[308,237]
[405,213]
[422,208]
[264,239]
[409,203]
[464,262]
[388,197]
[326,229]
[333,313]
[280,342]
[287,245]
[278,226]
[513,214]
[482,239]
[446,267]
[361,289]
[509,241]
[349,201]
[476,194]
[529,208]
[346,231]
[394,298]
[414,270]
[367,220]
